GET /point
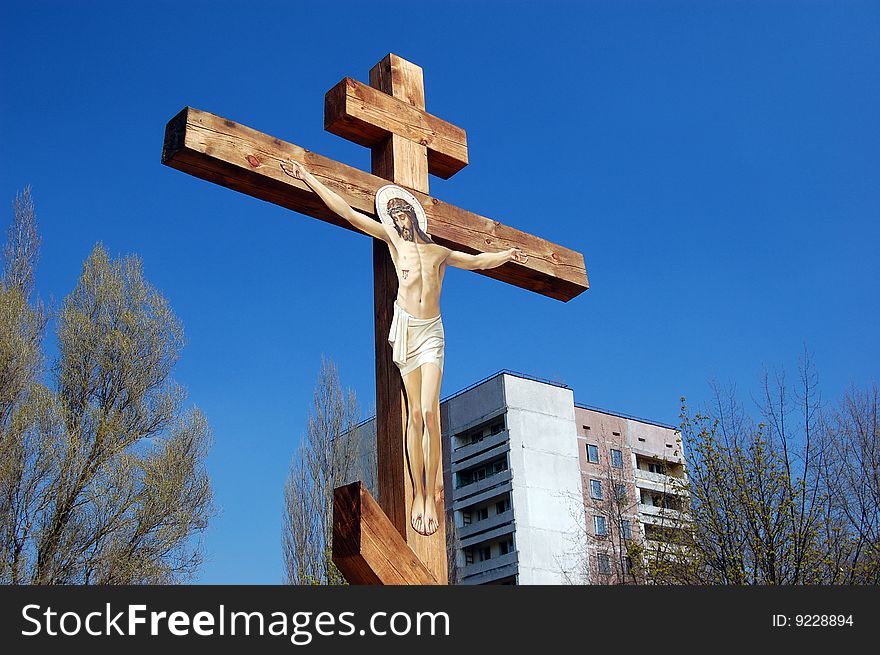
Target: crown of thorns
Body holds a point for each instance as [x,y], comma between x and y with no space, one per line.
[399,204]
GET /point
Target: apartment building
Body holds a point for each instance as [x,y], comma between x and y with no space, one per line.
[633,477]
[543,490]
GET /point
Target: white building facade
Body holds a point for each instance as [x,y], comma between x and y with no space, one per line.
[519,466]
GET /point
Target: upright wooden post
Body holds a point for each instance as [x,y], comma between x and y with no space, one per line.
[403,162]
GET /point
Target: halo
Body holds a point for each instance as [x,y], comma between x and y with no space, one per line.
[390,191]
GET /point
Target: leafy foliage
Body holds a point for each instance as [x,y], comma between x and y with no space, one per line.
[102,471]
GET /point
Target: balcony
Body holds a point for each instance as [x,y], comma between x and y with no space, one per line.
[464,452]
[661,513]
[665,552]
[494,533]
[652,546]
[466,531]
[659,482]
[460,502]
[484,456]
[481,485]
[482,568]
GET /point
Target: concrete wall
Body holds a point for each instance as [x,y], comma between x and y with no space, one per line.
[473,406]
[654,441]
[606,431]
[546,477]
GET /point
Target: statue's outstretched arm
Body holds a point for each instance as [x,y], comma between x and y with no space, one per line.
[335,203]
[485,259]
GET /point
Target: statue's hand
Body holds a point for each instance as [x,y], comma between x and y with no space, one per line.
[294,169]
[518,255]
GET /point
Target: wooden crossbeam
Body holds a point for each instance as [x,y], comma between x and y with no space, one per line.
[373,544]
[367,548]
[241,158]
[367,116]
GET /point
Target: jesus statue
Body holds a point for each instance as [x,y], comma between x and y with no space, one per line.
[416,335]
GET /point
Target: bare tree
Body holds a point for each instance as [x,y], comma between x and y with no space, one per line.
[789,494]
[328,456]
[102,477]
[22,248]
[607,546]
[786,498]
[850,479]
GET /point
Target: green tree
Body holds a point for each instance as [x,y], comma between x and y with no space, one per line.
[102,470]
[789,496]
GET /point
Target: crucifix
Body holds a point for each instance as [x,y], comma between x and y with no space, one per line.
[378,542]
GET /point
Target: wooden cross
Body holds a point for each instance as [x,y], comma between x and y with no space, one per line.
[375,543]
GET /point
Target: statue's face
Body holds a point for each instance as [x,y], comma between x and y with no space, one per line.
[402,221]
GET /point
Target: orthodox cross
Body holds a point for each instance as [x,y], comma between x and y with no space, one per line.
[374,542]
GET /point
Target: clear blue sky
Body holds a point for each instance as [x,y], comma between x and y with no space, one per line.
[716,162]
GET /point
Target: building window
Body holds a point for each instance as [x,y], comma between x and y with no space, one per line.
[485,553]
[506,546]
[604,563]
[474,436]
[657,467]
[592,453]
[620,491]
[468,556]
[502,506]
[482,513]
[466,517]
[600,526]
[596,489]
[626,530]
[616,458]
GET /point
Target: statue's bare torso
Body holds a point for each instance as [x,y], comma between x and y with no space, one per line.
[420,268]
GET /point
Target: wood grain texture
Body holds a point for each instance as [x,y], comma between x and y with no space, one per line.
[238,157]
[400,159]
[368,116]
[367,548]
[405,163]
[400,78]
[395,496]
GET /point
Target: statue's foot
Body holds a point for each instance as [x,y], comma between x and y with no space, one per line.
[431,520]
[417,516]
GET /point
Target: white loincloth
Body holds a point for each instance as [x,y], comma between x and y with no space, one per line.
[415,341]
